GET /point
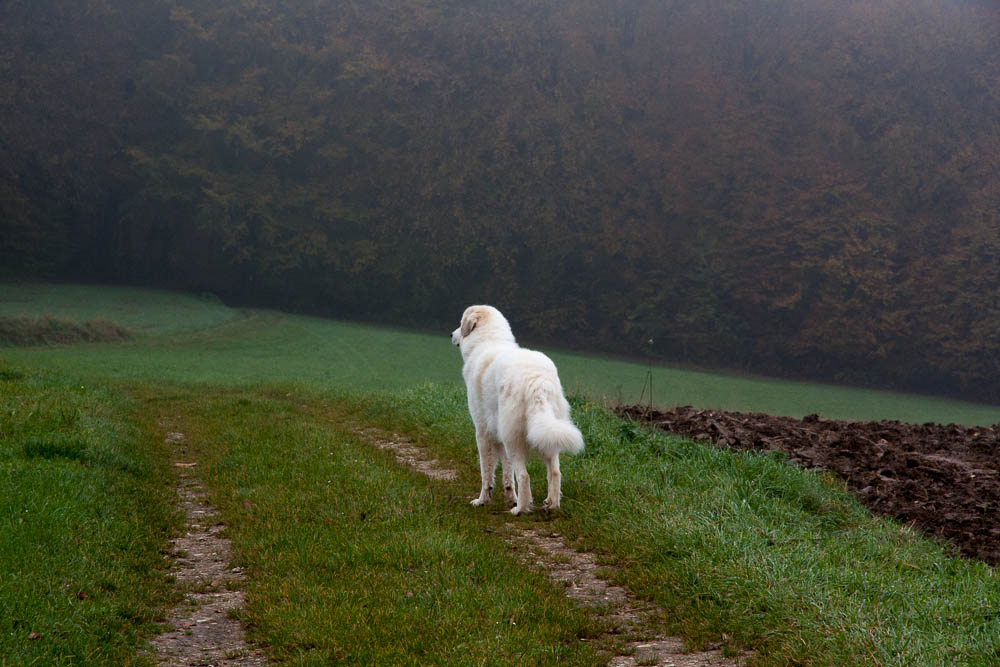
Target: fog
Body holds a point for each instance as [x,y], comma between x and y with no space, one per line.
[804,188]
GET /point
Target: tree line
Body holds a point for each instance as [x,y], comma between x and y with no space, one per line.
[804,188]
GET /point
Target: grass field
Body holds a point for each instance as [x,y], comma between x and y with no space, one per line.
[194,339]
[149,311]
[352,558]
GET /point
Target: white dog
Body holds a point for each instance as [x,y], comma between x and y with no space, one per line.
[516,403]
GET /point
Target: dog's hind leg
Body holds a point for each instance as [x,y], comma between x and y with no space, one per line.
[520,470]
[508,477]
[488,453]
[554,480]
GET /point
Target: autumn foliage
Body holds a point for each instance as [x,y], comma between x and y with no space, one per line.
[807,188]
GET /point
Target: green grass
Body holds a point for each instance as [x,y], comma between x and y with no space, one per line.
[351,557]
[266,347]
[83,514]
[202,341]
[623,382]
[744,546]
[154,312]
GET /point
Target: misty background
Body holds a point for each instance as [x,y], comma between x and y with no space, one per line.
[806,188]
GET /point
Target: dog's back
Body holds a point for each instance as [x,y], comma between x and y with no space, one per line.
[532,404]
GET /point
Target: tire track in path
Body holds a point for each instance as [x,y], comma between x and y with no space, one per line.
[578,570]
[204,633]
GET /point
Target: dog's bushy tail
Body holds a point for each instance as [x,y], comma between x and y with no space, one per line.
[551,435]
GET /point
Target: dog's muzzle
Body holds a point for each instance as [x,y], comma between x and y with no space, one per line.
[456,336]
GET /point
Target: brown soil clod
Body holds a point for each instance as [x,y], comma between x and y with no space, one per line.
[578,570]
[204,633]
[941,478]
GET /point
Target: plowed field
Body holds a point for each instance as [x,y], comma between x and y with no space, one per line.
[941,478]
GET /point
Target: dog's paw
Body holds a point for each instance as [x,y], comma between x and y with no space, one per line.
[550,506]
[477,502]
[518,511]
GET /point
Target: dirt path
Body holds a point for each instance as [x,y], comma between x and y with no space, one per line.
[625,615]
[204,634]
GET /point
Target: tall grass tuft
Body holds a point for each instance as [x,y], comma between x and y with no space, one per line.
[24,330]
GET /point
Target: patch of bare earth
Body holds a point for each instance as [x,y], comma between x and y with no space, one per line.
[204,634]
[407,454]
[943,478]
[626,616]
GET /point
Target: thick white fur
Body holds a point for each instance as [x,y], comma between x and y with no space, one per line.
[517,404]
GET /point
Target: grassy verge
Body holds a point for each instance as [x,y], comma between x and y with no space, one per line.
[23,330]
[351,558]
[84,514]
[623,382]
[745,549]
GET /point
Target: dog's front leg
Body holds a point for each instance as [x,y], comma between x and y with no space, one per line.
[487,466]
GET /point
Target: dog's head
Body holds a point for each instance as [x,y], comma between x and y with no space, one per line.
[481,323]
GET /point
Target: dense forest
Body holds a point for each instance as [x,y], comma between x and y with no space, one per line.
[792,187]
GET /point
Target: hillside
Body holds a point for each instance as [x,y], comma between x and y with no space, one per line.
[795,188]
[188,339]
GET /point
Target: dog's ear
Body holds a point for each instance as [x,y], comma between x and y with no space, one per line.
[469,323]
